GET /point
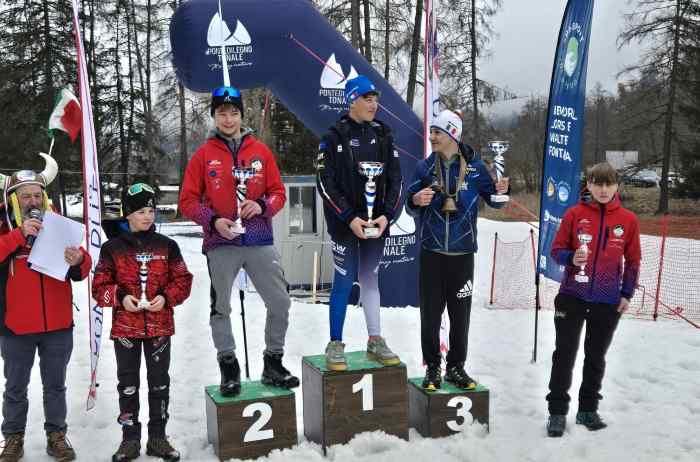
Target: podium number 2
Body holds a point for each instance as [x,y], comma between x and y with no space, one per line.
[463,405]
[255,432]
[365,386]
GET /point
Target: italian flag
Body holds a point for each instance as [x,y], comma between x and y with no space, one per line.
[66,115]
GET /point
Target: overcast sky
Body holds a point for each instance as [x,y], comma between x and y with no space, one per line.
[522,53]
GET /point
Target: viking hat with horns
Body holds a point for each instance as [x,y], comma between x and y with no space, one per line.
[9,185]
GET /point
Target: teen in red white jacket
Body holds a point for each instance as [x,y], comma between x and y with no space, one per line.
[208,189]
[615,233]
[597,301]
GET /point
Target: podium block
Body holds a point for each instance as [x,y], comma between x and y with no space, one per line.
[250,425]
[448,410]
[365,397]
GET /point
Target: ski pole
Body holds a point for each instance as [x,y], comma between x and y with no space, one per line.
[241,294]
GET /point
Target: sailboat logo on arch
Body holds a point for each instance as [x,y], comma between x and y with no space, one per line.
[238,43]
[332,88]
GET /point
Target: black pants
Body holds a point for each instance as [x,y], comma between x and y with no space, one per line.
[601,320]
[445,280]
[157,353]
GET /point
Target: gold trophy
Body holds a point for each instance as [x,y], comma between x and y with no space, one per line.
[371,170]
[143,258]
[242,174]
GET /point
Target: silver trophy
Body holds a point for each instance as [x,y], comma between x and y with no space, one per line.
[499,165]
[584,239]
[371,170]
[242,174]
[143,258]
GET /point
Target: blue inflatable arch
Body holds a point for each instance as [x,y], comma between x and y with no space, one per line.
[290,48]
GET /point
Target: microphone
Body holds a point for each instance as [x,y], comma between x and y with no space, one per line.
[38,215]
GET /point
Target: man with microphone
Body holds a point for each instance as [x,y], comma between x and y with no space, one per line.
[36,314]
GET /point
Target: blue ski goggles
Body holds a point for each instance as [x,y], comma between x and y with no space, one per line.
[227,91]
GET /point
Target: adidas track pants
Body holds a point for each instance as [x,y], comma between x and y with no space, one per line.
[445,280]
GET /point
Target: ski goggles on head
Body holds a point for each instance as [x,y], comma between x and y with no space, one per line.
[138,188]
[226,91]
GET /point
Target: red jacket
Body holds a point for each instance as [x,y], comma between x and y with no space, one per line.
[208,190]
[615,232]
[117,275]
[31,302]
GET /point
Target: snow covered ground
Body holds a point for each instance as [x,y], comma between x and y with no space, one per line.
[652,388]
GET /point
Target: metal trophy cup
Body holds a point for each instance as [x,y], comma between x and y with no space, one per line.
[584,239]
[499,164]
[371,170]
[143,258]
[242,174]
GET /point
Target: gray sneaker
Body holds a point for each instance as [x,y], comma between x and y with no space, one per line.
[335,357]
[377,350]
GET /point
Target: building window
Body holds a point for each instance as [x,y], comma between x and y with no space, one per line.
[302,210]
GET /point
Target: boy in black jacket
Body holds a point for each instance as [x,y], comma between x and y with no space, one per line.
[357,248]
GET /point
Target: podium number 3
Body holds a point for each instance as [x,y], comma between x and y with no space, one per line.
[365,386]
[463,405]
[255,432]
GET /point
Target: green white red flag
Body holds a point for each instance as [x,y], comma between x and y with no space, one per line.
[66,115]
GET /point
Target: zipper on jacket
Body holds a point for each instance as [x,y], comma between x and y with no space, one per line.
[145,324]
[598,247]
[605,239]
[447,215]
[43,302]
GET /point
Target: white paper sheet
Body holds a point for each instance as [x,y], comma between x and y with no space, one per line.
[57,233]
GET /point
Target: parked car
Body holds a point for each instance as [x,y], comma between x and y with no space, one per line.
[643,178]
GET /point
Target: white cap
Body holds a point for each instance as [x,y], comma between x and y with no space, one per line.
[450,123]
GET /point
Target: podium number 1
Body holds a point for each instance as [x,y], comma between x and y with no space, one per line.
[365,386]
[463,404]
[255,432]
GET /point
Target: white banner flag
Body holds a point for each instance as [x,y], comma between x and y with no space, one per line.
[92,213]
[431,104]
[431,110]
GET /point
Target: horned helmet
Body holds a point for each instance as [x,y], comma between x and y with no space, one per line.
[10,183]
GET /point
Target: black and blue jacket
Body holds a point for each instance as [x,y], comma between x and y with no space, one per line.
[454,232]
[341,186]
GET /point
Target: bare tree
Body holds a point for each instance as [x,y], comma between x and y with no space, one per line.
[368,32]
[665,24]
[415,48]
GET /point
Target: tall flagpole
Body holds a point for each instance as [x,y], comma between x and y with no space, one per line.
[224,63]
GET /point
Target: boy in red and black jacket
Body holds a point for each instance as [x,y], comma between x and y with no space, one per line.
[136,256]
[599,298]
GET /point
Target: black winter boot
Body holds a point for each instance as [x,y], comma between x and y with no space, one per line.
[556,425]
[128,450]
[459,377]
[230,376]
[275,374]
[161,447]
[590,420]
[433,378]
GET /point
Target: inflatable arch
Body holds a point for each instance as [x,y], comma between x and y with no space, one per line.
[290,48]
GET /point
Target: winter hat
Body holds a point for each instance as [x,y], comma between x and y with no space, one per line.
[450,123]
[138,196]
[226,95]
[359,86]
